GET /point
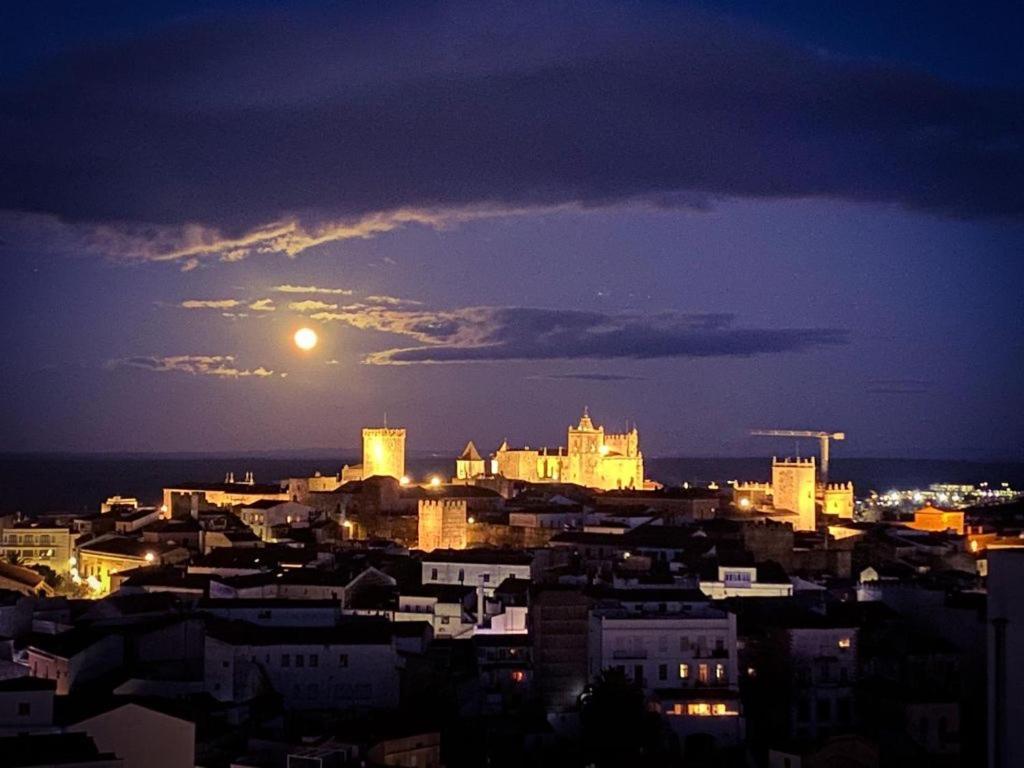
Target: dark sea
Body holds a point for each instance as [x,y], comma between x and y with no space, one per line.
[43,483]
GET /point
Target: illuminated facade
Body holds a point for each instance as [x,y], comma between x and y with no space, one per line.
[109,555]
[32,544]
[793,490]
[837,499]
[593,458]
[938,520]
[383,453]
[470,463]
[442,524]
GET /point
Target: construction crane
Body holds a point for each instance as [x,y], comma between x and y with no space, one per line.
[824,437]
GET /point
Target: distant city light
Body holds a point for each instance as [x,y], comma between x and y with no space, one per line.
[404,480]
[435,481]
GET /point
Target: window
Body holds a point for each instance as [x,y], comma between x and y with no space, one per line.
[663,671]
[286,660]
[719,644]
[300,660]
[702,673]
[705,709]
[824,710]
[844,642]
[843,710]
[486,577]
[803,710]
[224,664]
[462,575]
[638,673]
[314,660]
[684,671]
[719,672]
[684,643]
[343,660]
[24,708]
[433,574]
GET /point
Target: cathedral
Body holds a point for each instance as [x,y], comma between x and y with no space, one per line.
[592,458]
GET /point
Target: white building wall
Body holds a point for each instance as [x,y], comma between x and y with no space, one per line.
[1005,656]
[657,646]
[489,575]
[307,676]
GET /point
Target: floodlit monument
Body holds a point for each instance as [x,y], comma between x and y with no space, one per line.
[793,490]
[383,455]
[593,458]
[442,524]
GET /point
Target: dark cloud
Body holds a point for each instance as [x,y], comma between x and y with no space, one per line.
[276,132]
[526,333]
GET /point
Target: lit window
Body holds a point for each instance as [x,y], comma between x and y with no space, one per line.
[844,642]
[684,671]
[719,672]
[518,676]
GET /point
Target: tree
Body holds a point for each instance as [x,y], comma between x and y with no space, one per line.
[618,728]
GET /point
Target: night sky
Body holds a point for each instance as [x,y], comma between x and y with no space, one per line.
[699,217]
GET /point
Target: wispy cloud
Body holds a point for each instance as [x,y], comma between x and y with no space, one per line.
[312,289]
[211,303]
[311,305]
[218,366]
[898,386]
[393,301]
[478,334]
[263,305]
[192,243]
[586,377]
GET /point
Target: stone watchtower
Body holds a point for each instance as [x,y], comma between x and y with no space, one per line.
[442,524]
[384,452]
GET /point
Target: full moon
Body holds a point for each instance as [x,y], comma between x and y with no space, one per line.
[305,338]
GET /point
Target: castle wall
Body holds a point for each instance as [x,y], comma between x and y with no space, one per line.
[837,500]
[442,524]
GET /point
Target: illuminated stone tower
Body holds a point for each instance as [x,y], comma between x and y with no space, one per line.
[586,448]
[384,452]
[793,486]
[837,499]
[442,524]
